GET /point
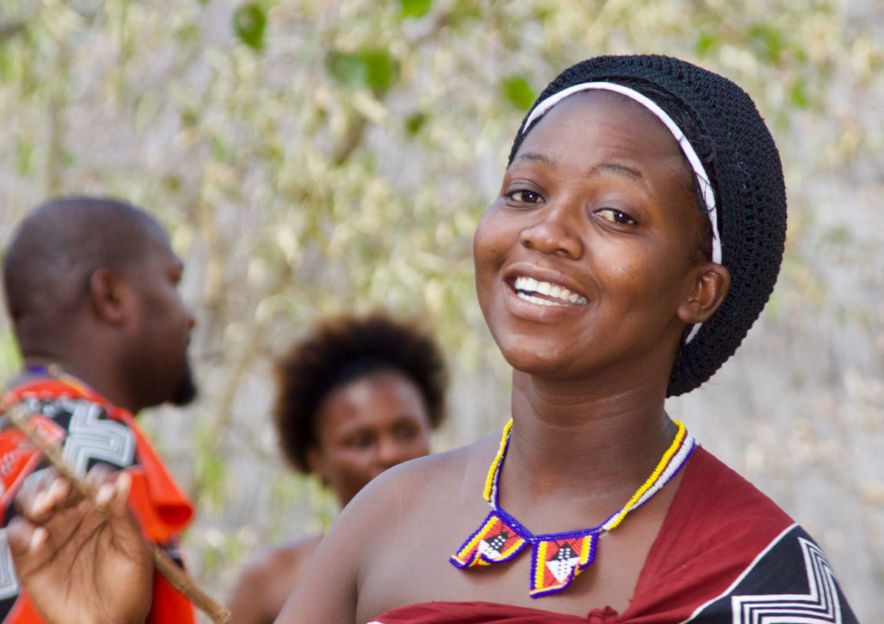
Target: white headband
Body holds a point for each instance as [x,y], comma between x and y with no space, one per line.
[699,171]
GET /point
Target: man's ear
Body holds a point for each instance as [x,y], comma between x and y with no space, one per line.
[711,284]
[109,295]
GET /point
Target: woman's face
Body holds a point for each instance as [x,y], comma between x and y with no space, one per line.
[584,261]
[366,426]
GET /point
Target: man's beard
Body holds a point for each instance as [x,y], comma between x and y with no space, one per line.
[186,390]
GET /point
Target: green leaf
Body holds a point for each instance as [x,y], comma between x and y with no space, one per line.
[414,8]
[838,235]
[189,117]
[221,151]
[798,94]
[381,71]
[187,32]
[347,68]
[10,359]
[465,10]
[249,22]
[24,155]
[211,469]
[545,13]
[5,65]
[767,41]
[517,90]
[705,43]
[414,123]
[172,182]
[369,67]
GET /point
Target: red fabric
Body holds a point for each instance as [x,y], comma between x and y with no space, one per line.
[718,522]
[716,526]
[18,456]
[487,613]
[161,507]
[156,500]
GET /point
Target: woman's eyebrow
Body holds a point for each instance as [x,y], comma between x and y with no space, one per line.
[604,169]
[612,168]
[535,156]
[615,169]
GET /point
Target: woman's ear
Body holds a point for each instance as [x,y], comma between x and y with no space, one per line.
[711,284]
[109,296]
[315,464]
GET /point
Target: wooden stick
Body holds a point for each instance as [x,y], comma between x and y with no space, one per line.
[19,415]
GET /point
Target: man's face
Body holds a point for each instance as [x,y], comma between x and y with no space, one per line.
[158,363]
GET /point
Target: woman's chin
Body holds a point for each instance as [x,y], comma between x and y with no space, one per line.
[532,360]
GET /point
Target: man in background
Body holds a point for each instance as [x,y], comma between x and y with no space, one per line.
[91,290]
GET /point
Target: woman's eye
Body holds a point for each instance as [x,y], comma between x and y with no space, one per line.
[524,196]
[360,441]
[616,216]
[405,433]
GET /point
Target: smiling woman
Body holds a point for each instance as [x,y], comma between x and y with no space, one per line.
[609,216]
[636,237]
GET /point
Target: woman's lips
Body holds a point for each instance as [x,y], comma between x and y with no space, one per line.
[546,293]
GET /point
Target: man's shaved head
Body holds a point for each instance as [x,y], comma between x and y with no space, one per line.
[61,243]
[92,287]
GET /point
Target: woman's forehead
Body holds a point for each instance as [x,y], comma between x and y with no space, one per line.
[593,121]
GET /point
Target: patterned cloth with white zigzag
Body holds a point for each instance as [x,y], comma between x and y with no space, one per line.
[791,581]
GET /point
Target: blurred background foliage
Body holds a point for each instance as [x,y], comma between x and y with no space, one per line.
[317,156]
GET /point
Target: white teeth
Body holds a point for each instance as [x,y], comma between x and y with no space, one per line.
[526,287]
[534,299]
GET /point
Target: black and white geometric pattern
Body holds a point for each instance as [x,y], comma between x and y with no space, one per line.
[9,586]
[820,604]
[493,547]
[563,562]
[92,437]
[791,582]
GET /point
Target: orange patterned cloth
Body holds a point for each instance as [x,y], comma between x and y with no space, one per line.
[94,431]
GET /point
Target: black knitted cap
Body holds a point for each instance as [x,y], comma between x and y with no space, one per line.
[743,165]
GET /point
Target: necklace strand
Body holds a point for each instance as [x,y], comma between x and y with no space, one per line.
[557,558]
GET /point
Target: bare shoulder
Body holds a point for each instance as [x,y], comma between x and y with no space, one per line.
[433,486]
[424,480]
[268,578]
[267,563]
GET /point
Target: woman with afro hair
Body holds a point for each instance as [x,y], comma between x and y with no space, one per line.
[358,395]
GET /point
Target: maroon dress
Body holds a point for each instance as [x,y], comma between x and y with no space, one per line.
[725,554]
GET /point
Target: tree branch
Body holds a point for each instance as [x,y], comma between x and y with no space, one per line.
[11,29]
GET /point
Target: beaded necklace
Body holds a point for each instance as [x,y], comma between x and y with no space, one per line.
[55,371]
[556,558]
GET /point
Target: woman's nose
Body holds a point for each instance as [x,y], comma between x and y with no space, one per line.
[391,452]
[555,232]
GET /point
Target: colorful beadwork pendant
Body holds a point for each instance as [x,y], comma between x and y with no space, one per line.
[556,558]
[556,562]
[494,541]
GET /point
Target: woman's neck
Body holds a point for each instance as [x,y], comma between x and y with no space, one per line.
[569,439]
